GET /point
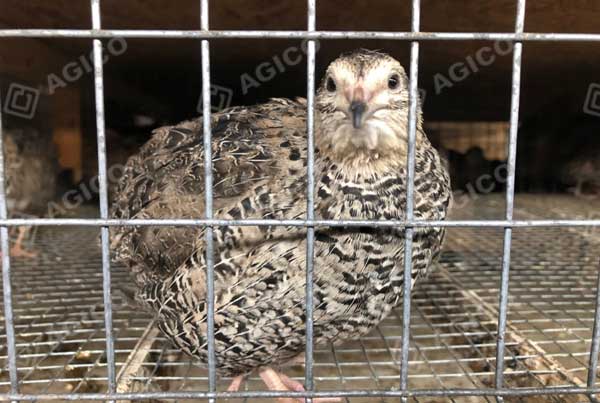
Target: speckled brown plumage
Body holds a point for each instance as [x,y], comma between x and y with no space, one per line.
[31,170]
[259,156]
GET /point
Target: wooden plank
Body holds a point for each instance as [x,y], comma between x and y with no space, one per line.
[67,133]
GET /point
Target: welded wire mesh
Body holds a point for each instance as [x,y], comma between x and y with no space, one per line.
[500,344]
[59,320]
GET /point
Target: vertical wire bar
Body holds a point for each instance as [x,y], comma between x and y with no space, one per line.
[310,208]
[510,194]
[409,231]
[208,201]
[6,278]
[101,140]
[595,347]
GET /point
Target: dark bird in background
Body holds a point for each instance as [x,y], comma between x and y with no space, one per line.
[31,169]
[119,147]
[467,169]
[558,169]
[259,171]
[583,173]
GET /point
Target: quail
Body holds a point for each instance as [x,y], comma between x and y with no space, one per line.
[259,169]
[31,169]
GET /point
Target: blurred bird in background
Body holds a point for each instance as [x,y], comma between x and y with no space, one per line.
[583,173]
[259,157]
[120,145]
[31,170]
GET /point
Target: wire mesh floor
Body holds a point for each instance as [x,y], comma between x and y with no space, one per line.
[60,332]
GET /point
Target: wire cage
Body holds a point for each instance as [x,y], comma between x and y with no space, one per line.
[456,338]
[60,336]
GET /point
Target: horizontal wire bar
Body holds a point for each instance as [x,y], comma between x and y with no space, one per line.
[275,394]
[112,222]
[253,34]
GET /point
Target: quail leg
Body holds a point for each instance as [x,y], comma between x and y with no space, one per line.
[278,381]
[17,249]
[235,384]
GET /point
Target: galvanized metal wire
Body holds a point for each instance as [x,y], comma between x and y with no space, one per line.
[6,276]
[410,188]
[310,201]
[103,182]
[316,35]
[510,191]
[106,357]
[60,334]
[208,200]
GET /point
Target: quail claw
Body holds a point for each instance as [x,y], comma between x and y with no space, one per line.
[281,382]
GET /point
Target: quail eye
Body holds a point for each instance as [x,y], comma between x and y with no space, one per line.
[330,84]
[393,81]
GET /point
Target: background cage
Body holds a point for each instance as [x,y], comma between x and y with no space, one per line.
[67,340]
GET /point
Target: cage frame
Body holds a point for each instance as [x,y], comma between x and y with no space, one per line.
[415,36]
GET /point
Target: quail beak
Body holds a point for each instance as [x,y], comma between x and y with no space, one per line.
[357,108]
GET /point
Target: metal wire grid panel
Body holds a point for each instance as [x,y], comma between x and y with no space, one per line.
[507,224]
[61,337]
